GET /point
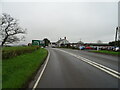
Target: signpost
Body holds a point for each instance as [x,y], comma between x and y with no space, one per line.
[38,43]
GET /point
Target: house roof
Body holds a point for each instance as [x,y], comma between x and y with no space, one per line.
[62,40]
[80,42]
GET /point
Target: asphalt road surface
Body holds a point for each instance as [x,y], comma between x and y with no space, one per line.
[65,70]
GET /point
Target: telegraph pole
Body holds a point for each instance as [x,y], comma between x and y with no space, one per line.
[117,35]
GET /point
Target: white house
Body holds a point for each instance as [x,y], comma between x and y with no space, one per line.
[62,42]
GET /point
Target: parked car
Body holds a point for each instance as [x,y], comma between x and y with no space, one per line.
[88,47]
[82,47]
[117,49]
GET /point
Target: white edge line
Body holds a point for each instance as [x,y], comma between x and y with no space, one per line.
[35,85]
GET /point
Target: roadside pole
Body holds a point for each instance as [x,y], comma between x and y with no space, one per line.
[117,36]
[116,32]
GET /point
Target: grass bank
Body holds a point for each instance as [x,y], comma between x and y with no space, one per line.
[18,70]
[106,52]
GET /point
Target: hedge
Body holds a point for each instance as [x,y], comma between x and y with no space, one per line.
[9,52]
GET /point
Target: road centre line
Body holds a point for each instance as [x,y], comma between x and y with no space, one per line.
[97,65]
[104,67]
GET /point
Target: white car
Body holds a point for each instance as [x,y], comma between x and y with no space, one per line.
[117,49]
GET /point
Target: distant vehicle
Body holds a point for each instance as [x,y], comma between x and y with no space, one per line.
[88,47]
[53,46]
[117,49]
[82,47]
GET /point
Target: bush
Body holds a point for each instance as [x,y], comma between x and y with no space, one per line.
[9,52]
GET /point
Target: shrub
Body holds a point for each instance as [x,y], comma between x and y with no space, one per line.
[9,52]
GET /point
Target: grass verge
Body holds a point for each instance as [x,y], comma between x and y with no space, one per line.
[107,52]
[18,70]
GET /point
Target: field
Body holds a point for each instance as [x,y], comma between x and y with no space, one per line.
[17,71]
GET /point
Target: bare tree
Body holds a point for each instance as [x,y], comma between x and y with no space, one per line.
[9,29]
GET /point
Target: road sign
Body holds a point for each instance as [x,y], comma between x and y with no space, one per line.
[37,42]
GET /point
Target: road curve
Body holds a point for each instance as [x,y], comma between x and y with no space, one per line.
[66,71]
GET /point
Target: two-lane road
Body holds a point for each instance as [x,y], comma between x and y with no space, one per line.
[66,71]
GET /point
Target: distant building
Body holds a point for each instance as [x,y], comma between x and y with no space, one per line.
[62,42]
[76,45]
[96,44]
[80,43]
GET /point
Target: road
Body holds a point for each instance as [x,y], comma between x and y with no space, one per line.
[66,71]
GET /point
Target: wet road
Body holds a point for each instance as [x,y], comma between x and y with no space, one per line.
[66,71]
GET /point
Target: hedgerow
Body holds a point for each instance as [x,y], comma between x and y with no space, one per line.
[9,52]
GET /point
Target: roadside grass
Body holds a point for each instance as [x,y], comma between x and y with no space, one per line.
[106,52]
[18,70]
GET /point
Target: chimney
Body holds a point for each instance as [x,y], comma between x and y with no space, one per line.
[64,37]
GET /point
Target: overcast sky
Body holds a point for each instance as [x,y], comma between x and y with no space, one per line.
[88,21]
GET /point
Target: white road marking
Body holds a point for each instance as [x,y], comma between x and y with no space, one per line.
[97,65]
[104,67]
[35,85]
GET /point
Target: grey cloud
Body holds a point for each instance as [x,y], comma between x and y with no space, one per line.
[89,21]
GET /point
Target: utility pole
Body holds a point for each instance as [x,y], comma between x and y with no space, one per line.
[117,35]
